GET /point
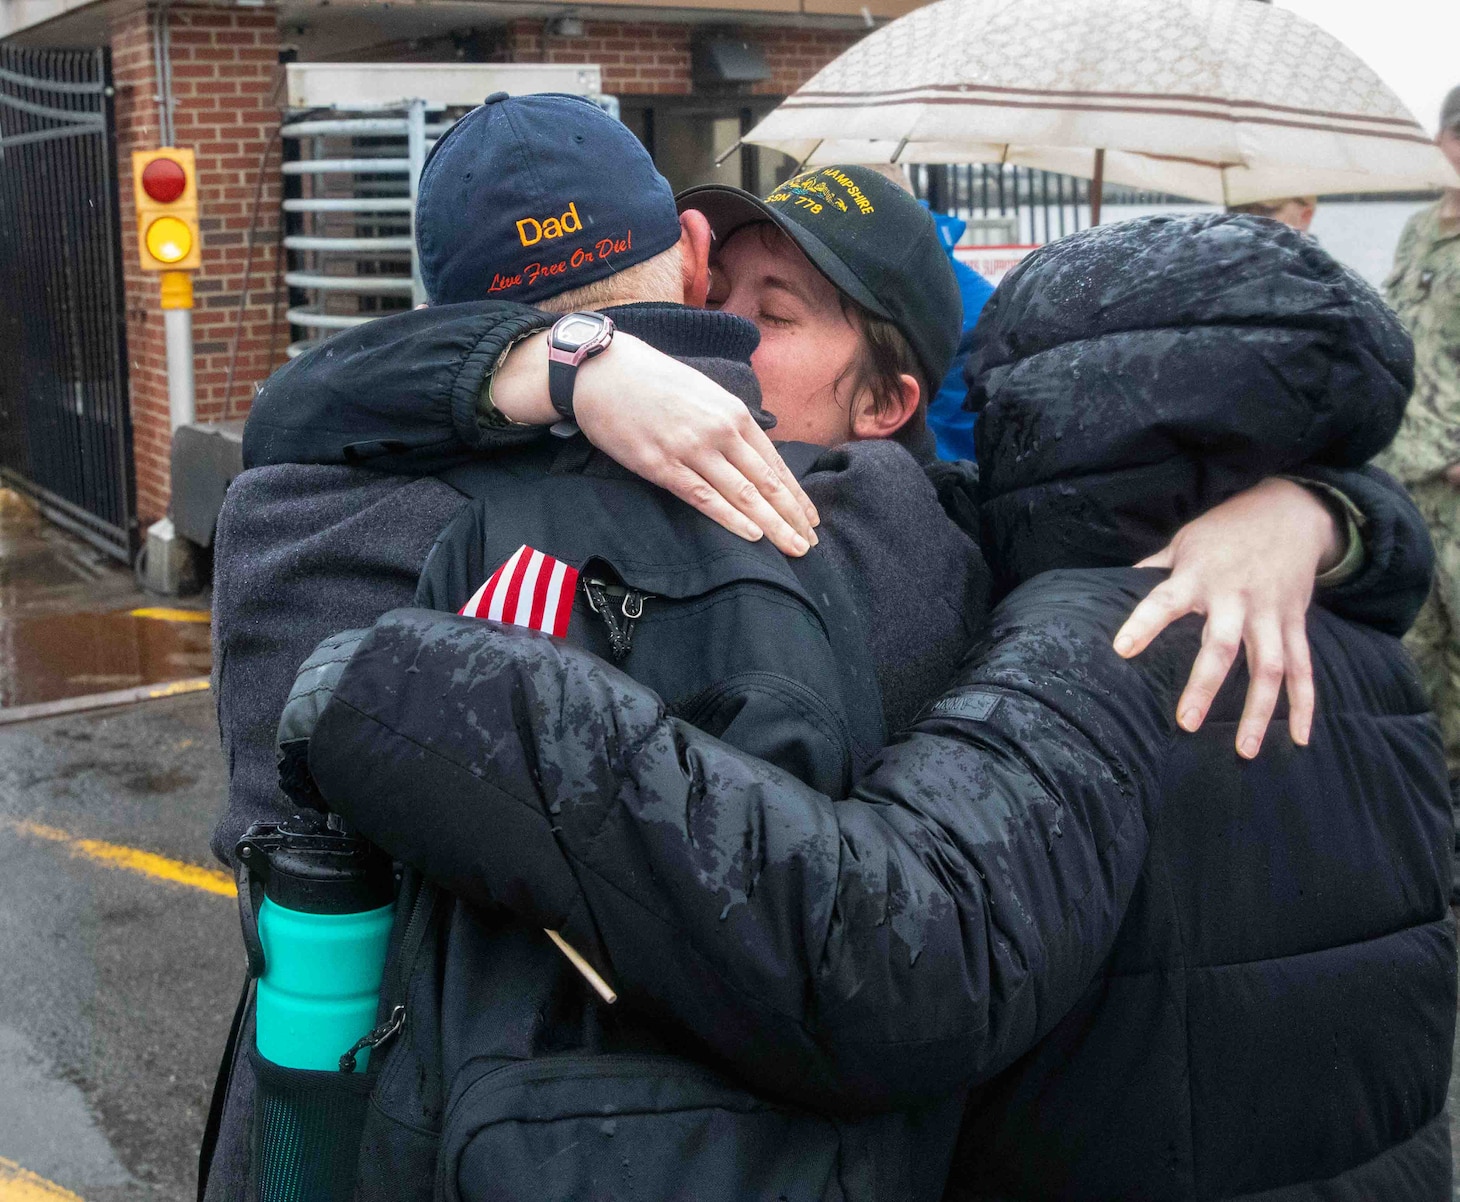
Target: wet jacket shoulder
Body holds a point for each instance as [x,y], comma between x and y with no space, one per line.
[1137,377]
[399,393]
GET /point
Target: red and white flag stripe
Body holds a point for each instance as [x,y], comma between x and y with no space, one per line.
[531,589]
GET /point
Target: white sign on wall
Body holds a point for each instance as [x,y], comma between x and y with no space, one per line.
[992,262]
[370,86]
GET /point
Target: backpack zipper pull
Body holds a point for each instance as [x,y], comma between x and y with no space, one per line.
[385,1031]
[620,632]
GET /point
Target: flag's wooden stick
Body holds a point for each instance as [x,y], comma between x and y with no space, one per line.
[600,986]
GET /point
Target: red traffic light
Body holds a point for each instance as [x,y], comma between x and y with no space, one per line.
[164,180]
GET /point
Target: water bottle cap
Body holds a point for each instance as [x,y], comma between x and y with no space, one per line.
[306,866]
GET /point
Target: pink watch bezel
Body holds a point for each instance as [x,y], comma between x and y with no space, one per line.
[598,343]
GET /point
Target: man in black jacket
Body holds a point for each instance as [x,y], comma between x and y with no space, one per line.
[1162,971]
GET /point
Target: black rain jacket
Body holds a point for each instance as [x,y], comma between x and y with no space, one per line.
[1161,971]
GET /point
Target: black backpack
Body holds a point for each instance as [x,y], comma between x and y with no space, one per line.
[511,1079]
[768,653]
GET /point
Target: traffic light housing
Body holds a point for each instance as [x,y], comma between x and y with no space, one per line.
[165,185]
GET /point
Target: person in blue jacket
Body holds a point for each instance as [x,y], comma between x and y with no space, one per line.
[951,424]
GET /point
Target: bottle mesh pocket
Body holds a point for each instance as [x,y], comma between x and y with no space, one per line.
[306,1132]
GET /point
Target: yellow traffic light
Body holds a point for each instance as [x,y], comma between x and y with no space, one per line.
[165,186]
[169,240]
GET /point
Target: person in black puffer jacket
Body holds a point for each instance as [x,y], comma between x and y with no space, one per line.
[1159,971]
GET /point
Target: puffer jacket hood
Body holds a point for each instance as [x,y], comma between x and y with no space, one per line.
[1132,376]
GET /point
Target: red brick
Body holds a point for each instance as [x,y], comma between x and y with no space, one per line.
[216,53]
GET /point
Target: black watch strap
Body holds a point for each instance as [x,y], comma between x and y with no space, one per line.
[561,377]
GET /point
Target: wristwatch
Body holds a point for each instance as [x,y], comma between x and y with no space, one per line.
[572,340]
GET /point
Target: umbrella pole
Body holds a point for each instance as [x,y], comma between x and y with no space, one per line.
[1097,187]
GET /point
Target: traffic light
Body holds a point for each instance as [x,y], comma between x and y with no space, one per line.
[165,183]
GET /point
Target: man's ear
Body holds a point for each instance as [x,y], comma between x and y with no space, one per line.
[694,254]
[867,422]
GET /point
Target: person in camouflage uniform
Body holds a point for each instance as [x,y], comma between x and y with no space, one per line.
[1424,290]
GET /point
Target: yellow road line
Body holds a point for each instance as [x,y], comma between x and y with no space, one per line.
[162,614]
[177,688]
[115,855]
[21,1185]
[95,701]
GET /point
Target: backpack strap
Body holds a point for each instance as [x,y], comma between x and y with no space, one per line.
[221,1085]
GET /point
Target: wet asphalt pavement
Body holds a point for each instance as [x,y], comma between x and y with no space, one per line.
[116,988]
[116,985]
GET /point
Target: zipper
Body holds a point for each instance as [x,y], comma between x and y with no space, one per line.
[410,942]
[399,970]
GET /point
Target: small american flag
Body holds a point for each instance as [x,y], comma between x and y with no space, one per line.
[531,589]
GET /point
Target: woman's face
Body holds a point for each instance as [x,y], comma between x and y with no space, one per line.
[806,341]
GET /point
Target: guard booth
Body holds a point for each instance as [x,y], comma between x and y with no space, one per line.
[355,138]
[352,164]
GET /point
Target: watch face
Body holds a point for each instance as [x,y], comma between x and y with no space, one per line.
[573,331]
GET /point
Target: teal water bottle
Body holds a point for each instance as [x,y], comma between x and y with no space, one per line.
[323,925]
[317,909]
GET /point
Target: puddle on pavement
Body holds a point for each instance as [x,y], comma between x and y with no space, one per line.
[49,656]
[70,622]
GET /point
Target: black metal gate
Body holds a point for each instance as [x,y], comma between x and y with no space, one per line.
[65,426]
[1038,206]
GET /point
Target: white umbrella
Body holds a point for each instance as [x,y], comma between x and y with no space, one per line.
[1226,101]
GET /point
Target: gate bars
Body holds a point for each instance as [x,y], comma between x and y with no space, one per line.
[65,425]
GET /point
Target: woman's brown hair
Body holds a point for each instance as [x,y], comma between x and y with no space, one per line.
[883,357]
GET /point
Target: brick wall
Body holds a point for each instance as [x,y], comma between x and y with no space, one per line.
[645,58]
[795,55]
[225,71]
[225,81]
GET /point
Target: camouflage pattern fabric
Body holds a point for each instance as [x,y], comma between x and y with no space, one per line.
[1434,639]
[1424,290]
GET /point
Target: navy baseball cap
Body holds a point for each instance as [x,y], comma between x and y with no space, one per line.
[866,235]
[528,196]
